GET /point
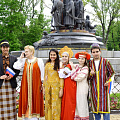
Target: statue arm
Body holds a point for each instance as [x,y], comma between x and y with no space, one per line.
[90,26]
[53,9]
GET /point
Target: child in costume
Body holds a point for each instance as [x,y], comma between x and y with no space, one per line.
[80,74]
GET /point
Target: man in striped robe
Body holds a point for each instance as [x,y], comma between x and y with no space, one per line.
[101,72]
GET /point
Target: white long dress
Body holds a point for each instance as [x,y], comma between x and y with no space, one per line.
[80,75]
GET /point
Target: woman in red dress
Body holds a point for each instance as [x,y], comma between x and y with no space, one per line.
[69,91]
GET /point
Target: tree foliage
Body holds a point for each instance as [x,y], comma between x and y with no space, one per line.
[98,30]
[106,11]
[114,36]
[21,23]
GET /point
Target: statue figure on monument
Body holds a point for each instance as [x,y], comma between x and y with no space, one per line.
[79,14]
[88,26]
[70,15]
[56,12]
[67,16]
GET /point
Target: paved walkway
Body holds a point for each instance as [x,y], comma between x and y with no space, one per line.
[115,117]
[112,117]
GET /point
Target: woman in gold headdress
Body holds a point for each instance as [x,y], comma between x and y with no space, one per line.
[69,91]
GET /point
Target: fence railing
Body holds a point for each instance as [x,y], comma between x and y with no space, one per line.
[114,96]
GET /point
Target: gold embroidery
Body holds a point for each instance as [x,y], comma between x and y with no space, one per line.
[29,80]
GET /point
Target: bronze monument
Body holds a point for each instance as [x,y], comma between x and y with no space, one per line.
[70,27]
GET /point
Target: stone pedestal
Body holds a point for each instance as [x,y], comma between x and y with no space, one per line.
[77,39]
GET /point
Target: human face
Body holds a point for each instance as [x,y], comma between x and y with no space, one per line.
[96,54]
[5,50]
[53,56]
[28,53]
[65,59]
[81,60]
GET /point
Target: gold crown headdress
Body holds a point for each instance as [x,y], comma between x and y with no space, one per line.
[66,49]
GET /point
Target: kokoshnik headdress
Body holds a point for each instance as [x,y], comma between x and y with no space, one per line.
[66,50]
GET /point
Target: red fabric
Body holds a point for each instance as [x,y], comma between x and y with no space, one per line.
[37,95]
[68,99]
[77,117]
[82,53]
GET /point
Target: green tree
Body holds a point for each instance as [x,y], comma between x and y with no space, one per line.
[114,36]
[98,30]
[38,23]
[106,11]
[14,14]
[12,22]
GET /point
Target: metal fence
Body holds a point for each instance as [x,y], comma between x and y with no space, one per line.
[114,97]
[115,94]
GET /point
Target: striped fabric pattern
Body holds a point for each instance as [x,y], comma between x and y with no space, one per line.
[7,102]
[99,93]
[74,73]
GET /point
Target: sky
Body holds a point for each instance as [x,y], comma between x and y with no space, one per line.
[47,7]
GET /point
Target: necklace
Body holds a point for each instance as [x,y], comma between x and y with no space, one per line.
[52,63]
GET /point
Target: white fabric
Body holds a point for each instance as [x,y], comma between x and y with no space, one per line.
[61,72]
[19,65]
[97,64]
[31,118]
[82,92]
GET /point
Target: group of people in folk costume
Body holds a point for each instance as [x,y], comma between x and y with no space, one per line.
[64,85]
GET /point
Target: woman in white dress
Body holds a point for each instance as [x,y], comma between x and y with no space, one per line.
[80,74]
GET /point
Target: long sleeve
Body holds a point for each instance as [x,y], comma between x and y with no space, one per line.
[63,71]
[61,82]
[92,76]
[19,64]
[81,75]
[110,70]
[45,74]
[41,66]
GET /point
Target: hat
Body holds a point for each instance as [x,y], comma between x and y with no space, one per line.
[94,45]
[86,55]
[4,43]
[66,50]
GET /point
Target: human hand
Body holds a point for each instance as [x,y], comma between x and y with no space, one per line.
[92,72]
[3,77]
[106,84]
[65,73]
[22,55]
[61,92]
[8,77]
